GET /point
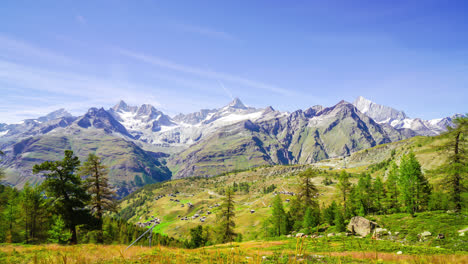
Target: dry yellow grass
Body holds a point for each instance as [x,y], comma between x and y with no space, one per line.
[247,252]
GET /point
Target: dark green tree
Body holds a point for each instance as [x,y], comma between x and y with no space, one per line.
[226,217]
[35,213]
[344,187]
[378,194]
[365,193]
[308,191]
[414,186]
[339,220]
[97,184]
[59,233]
[278,219]
[329,213]
[391,187]
[457,167]
[65,190]
[198,237]
[311,219]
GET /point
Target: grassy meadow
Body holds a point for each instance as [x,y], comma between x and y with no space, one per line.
[292,250]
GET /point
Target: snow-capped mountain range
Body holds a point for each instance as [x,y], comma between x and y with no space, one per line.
[133,139]
[147,124]
[398,119]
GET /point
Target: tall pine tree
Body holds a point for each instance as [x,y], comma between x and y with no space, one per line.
[65,190]
[391,187]
[226,218]
[102,196]
[457,167]
[415,187]
[344,187]
[278,219]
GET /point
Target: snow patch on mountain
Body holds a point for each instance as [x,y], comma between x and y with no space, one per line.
[398,119]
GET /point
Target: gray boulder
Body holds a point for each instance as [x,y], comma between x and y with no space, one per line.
[361,226]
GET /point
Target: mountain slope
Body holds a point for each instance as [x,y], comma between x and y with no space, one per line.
[130,166]
[275,138]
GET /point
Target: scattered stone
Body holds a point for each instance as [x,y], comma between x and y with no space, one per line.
[399,252]
[463,231]
[380,232]
[299,234]
[361,226]
[331,235]
[425,234]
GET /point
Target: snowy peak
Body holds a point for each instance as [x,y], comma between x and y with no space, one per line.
[54,115]
[121,106]
[237,103]
[380,113]
[398,119]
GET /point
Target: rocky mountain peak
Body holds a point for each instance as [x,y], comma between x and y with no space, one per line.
[54,115]
[379,113]
[120,106]
[146,109]
[237,104]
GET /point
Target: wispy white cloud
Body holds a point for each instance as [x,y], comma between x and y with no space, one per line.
[16,49]
[60,89]
[226,90]
[206,73]
[204,31]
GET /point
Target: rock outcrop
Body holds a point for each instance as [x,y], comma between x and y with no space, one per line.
[361,226]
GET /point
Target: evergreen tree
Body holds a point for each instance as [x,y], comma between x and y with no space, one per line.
[415,187]
[339,220]
[34,212]
[11,216]
[457,167]
[344,187]
[379,194]
[329,213]
[278,219]
[364,188]
[295,214]
[59,233]
[311,219]
[198,237]
[102,196]
[391,186]
[65,190]
[308,190]
[226,218]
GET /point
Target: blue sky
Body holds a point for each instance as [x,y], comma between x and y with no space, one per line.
[182,56]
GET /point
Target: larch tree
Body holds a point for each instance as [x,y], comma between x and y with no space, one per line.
[64,188]
[34,212]
[278,217]
[457,167]
[379,194]
[415,187]
[97,185]
[391,188]
[226,217]
[344,187]
[308,190]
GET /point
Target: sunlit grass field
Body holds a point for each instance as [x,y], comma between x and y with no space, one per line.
[293,250]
